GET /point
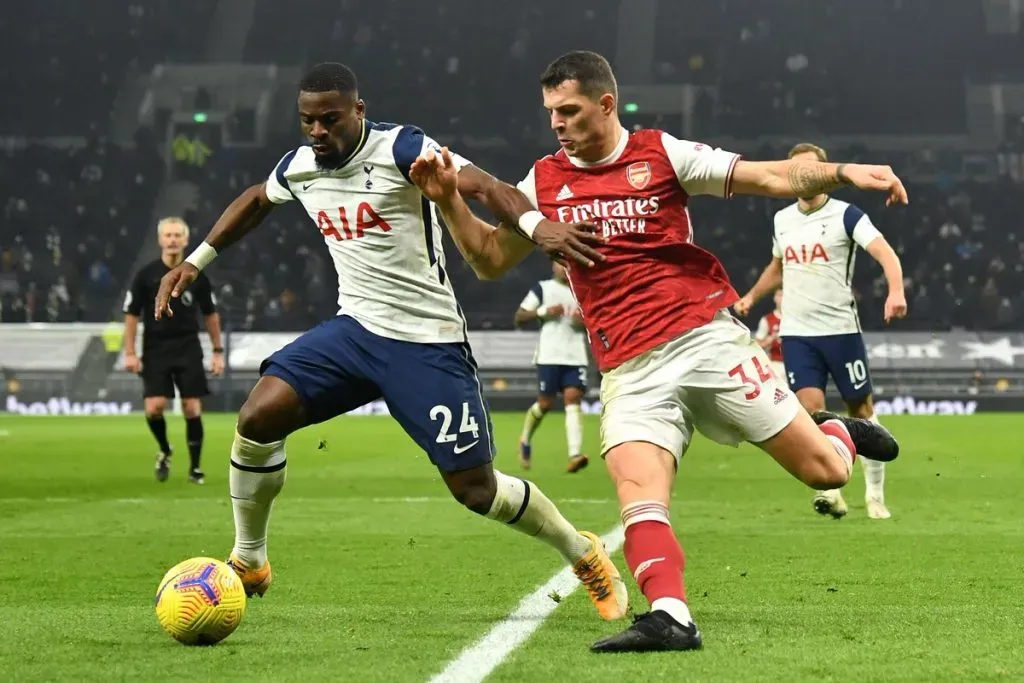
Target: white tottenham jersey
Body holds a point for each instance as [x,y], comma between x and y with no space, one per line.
[559,343]
[383,235]
[817,250]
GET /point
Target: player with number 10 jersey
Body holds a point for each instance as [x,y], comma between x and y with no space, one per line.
[814,250]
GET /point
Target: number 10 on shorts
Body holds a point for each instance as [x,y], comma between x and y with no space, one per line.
[858,371]
[467,424]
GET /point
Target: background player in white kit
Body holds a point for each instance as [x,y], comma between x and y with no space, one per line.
[399,335]
[813,253]
[767,336]
[561,360]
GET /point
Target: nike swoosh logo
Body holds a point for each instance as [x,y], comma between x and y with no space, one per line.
[307,186]
[858,386]
[463,449]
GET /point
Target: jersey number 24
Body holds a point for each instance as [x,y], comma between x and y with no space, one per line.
[468,423]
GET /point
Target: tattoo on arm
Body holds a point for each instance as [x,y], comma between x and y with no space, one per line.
[811,178]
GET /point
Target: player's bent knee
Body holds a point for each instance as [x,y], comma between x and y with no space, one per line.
[544,403]
[641,471]
[259,421]
[475,489]
[271,412]
[477,498]
[825,471]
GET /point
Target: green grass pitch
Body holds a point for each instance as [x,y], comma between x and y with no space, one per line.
[379,578]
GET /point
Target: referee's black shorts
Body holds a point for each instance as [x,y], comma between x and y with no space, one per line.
[180,364]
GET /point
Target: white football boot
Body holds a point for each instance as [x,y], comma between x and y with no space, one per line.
[830,503]
[876,508]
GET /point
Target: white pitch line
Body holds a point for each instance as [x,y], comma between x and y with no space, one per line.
[480,659]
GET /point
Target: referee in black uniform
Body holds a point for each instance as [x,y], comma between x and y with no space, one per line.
[171,353]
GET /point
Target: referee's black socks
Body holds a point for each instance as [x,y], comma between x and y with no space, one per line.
[194,435]
[159,428]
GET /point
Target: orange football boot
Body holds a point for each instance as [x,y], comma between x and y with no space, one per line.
[255,581]
[577,463]
[601,578]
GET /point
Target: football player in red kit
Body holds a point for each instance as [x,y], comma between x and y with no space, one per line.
[767,336]
[656,308]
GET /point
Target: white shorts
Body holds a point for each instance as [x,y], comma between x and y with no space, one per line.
[714,378]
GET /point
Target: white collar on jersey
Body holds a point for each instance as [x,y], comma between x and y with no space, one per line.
[620,147]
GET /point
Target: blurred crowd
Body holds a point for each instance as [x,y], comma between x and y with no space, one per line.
[66,60]
[73,221]
[827,67]
[76,214]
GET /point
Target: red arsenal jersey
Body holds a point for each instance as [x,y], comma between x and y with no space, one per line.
[768,328]
[655,283]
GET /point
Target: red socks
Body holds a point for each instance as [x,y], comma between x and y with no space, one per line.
[839,436]
[652,551]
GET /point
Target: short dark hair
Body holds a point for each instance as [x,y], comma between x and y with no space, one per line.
[808,147]
[327,77]
[589,69]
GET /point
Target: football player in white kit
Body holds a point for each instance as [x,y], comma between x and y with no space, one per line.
[813,248]
[400,334]
[561,360]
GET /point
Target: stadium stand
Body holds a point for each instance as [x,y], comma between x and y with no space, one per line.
[776,65]
[70,92]
[76,215]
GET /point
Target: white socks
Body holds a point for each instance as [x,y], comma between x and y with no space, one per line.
[257,476]
[524,507]
[676,608]
[874,473]
[574,429]
[533,417]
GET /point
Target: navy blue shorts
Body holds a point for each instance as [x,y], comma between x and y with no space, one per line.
[431,389]
[552,379]
[810,360]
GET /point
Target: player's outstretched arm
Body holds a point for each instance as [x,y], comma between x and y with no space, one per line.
[802,178]
[488,250]
[242,215]
[561,241]
[896,302]
[770,280]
